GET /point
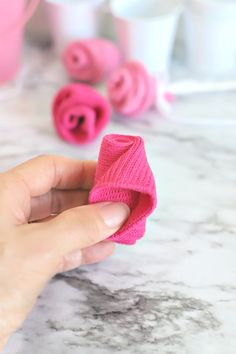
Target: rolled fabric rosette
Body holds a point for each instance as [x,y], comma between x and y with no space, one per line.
[91,60]
[80,113]
[124,175]
[132,91]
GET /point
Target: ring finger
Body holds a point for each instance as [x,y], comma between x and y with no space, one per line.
[55,202]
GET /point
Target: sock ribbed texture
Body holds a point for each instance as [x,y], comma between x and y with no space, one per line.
[124,175]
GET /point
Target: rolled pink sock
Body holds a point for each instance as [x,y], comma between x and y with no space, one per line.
[124,175]
[80,113]
[131,90]
[91,60]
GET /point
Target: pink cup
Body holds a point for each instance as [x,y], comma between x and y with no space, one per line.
[13,16]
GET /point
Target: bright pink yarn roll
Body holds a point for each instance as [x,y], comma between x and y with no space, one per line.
[80,113]
[124,175]
[131,90]
[91,60]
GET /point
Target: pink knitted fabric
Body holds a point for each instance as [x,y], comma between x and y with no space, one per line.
[80,113]
[131,89]
[124,175]
[91,60]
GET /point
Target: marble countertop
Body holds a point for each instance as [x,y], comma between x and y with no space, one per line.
[175,291]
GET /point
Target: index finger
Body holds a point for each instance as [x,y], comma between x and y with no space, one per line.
[43,173]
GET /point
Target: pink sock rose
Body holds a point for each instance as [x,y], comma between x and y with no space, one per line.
[91,60]
[131,89]
[80,113]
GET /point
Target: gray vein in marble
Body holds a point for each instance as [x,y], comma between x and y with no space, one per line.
[137,321]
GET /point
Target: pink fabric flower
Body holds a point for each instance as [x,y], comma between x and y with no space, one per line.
[80,113]
[91,60]
[124,175]
[131,89]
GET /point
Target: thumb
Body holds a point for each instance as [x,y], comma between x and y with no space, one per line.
[80,227]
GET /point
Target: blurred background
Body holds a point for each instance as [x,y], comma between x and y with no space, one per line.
[191,44]
[201,34]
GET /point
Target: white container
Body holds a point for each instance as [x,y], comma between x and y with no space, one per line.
[73,19]
[107,23]
[210,35]
[146,31]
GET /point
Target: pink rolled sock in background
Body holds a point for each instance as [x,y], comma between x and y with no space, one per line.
[80,113]
[91,60]
[131,89]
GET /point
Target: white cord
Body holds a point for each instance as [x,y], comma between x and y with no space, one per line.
[203,121]
[190,87]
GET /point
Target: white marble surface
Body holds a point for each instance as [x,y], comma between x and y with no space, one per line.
[175,291]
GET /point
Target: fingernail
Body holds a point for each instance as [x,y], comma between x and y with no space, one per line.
[115,214]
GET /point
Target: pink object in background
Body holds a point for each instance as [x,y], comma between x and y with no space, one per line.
[80,113]
[131,90]
[91,60]
[12,20]
[10,44]
[124,175]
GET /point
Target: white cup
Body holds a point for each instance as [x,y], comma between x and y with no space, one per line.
[210,36]
[73,19]
[107,23]
[146,31]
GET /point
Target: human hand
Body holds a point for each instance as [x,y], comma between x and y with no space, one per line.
[53,191]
